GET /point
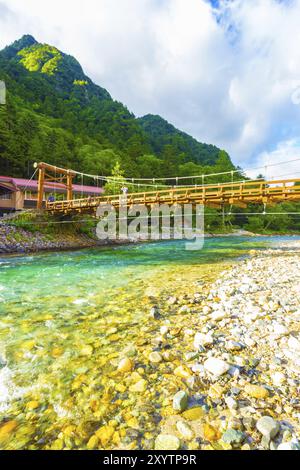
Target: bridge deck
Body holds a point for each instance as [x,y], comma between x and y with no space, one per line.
[215,195]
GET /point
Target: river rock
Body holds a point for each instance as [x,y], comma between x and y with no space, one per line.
[233,437]
[164,330]
[185,431]
[203,340]
[294,344]
[194,413]
[139,387]
[218,315]
[280,330]
[231,403]
[183,372]
[292,445]
[233,346]
[180,401]
[216,367]
[256,391]
[154,313]
[155,358]
[278,378]
[125,365]
[167,442]
[268,427]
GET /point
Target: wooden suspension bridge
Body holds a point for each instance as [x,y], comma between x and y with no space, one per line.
[216,195]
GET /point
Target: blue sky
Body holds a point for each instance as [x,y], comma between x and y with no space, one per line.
[229,76]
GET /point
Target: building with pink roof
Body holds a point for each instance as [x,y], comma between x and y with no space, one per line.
[18,193]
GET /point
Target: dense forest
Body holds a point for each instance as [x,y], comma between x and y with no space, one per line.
[55,113]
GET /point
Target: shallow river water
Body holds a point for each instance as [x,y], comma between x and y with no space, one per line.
[66,321]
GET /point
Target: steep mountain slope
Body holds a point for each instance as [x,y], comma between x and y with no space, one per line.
[56,113]
[162,133]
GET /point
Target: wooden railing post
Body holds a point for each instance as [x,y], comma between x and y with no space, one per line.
[69,187]
[41,188]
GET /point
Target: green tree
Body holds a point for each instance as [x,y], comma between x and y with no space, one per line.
[117,181]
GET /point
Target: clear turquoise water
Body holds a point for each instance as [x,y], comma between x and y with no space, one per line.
[53,306]
[81,272]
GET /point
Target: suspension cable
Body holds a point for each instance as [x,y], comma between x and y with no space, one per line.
[133,181]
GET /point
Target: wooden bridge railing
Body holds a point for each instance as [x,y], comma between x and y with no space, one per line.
[214,195]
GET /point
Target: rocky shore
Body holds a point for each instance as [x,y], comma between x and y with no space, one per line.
[242,367]
[15,240]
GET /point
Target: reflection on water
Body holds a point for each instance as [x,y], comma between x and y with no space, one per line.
[65,321]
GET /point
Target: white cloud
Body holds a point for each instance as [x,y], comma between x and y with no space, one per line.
[282,162]
[230,82]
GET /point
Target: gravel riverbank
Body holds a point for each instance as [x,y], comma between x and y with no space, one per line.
[244,360]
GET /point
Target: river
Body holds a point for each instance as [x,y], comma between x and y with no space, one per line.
[66,320]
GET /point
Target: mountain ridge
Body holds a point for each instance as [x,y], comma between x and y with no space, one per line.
[58,113]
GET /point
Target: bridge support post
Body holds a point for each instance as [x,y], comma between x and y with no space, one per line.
[41,188]
[69,186]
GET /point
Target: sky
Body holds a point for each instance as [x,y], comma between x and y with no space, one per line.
[226,72]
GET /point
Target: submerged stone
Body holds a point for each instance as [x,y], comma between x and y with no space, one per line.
[180,401]
[167,442]
[216,366]
[233,437]
[256,391]
[268,427]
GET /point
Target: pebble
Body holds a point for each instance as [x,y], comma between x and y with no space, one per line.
[185,431]
[180,401]
[104,434]
[139,387]
[164,330]
[154,313]
[278,378]
[256,391]
[203,340]
[7,428]
[125,365]
[211,433]
[183,372]
[86,350]
[216,367]
[292,445]
[233,437]
[231,403]
[218,316]
[294,343]
[194,413]
[233,346]
[167,442]
[268,427]
[155,358]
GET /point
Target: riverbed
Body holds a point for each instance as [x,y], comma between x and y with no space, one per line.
[76,333]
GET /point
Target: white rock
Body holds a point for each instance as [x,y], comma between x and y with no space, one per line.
[278,378]
[233,346]
[292,445]
[198,369]
[294,343]
[184,430]
[218,315]
[280,329]
[164,330]
[203,340]
[216,366]
[231,403]
[268,427]
[249,342]
[206,310]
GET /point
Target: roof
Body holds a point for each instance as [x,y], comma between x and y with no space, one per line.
[22,184]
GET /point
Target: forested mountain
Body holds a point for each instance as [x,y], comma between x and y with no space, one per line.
[55,113]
